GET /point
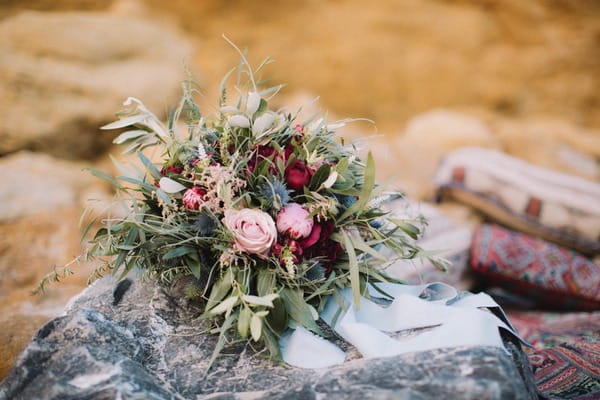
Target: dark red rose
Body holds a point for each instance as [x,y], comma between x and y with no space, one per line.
[263,153]
[297,175]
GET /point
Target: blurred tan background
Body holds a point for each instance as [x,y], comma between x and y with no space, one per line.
[520,76]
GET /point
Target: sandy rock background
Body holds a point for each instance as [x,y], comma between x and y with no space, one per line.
[522,77]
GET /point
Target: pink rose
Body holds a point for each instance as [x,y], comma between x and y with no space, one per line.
[193,198]
[293,221]
[253,230]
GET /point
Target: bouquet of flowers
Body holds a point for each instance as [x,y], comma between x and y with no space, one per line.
[265,216]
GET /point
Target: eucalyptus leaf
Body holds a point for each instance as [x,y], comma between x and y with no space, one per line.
[220,289]
[256,328]
[154,172]
[170,186]
[124,122]
[319,176]
[244,322]
[103,175]
[365,193]
[298,310]
[354,271]
[224,306]
[278,316]
[178,252]
[126,136]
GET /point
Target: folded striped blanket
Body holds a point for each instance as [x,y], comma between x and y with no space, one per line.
[557,207]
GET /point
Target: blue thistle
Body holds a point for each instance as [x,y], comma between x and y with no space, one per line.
[315,272]
[275,193]
[376,223]
[346,201]
[204,225]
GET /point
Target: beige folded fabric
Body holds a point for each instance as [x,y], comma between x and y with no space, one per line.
[558,207]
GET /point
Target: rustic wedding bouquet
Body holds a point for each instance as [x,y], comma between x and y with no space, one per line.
[266,216]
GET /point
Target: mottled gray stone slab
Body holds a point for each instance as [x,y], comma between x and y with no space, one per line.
[138,342]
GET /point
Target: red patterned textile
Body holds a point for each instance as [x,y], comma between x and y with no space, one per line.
[551,275]
[547,329]
[566,358]
[568,371]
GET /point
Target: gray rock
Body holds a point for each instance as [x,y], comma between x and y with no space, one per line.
[136,341]
[65,74]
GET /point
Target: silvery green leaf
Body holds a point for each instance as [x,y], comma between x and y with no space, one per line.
[333,127]
[125,136]
[252,103]
[262,123]
[271,297]
[314,312]
[225,305]
[255,328]
[238,121]
[331,180]
[315,126]
[258,301]
[262,313]
[153,123]
[170,186]
[139,103]
[229,109]
[123,122]
[244,321]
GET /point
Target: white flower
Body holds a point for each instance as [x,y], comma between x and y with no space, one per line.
[262,123]
[170,186]
[238,121]
[252,103]
[229,109]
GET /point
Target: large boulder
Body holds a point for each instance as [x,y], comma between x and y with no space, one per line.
[42,200]
[136,341]
[37,183]
[66,73]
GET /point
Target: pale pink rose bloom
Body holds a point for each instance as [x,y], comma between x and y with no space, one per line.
[293,221]
[254,231]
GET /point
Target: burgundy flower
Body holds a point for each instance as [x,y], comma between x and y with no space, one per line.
[276,249]
[297,175]
[194,197]
[296,250]
[175,168]
[289,149]
[314,236]
[263,153]
[320,244]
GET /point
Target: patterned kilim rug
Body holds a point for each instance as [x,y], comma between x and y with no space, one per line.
[566,358]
